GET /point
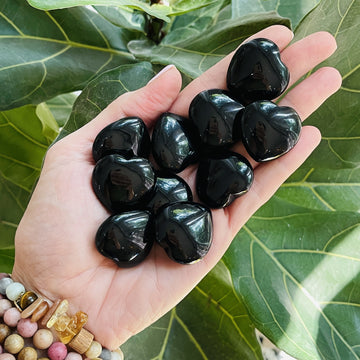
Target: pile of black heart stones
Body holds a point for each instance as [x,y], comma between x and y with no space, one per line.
[149,202]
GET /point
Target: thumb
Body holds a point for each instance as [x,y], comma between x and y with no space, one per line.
[148,103]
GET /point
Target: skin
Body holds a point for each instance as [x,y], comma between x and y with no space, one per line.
[55,251]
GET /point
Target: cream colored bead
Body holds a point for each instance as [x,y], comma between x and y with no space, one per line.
[13,343]
[94,350]
[27,353]
[117,355]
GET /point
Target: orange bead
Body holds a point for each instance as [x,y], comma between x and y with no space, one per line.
[40,311]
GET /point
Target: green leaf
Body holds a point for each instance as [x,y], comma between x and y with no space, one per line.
[179,7]
[299,274]
[156,10]
[50,127]
[7,257]
[50,53]
[61,107]
[194,23]
[103,90]
[123,17]
[297,261]
[195,55]
[210,323]
[24,140]
[295,10]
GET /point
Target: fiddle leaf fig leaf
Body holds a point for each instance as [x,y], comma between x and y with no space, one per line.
[50,53]
[24,140]
[156,10]
[101,91]
[293,9]
[210,323]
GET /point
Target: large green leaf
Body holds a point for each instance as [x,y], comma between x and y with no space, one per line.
[295,10]
[124,17]
[159,11]
[156,10]
[24,139]
[210,323]
[103,90]
[297,261]
[195,55]
[49,53]
[298,275]
[194,23]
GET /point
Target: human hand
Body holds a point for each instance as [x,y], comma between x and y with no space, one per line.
[55,250]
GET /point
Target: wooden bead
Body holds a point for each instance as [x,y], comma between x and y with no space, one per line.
[31,308]
[82,341]
[50,313]
[40,311]
[4,332]
[27,353]
[13,343]
[94,350]
[42,339]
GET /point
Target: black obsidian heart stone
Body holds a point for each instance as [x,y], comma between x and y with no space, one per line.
[184,230]
[222,178]
[122,184]
[268,130]
[128,137]
[174,142]
[168,189]
[217,117]
[126,238]
[256,72]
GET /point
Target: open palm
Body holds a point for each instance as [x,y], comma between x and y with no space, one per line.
[55,250]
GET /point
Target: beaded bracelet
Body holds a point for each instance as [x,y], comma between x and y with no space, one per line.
[30,329]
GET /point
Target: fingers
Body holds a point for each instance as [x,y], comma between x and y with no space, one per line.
[147,103]
[268,177]
[215,77]
[306,53]
[307,96]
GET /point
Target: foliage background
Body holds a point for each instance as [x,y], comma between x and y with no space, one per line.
[293,270]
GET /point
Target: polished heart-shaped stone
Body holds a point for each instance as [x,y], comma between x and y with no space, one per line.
[126,238]
[174,142]
[256,72]
[217,117]
[168,189]
[222,178]
[122,184]
[184,230]
[128,137]
[269,131]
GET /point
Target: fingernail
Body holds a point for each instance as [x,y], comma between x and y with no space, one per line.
[163,71]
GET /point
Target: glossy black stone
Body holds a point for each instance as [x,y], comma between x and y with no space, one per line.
[222,178]
[122,184]
[256,72]
[169,188]
[128,137]
[174,142]
[268,130]
[217,117]
[184,230]
[126,238]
